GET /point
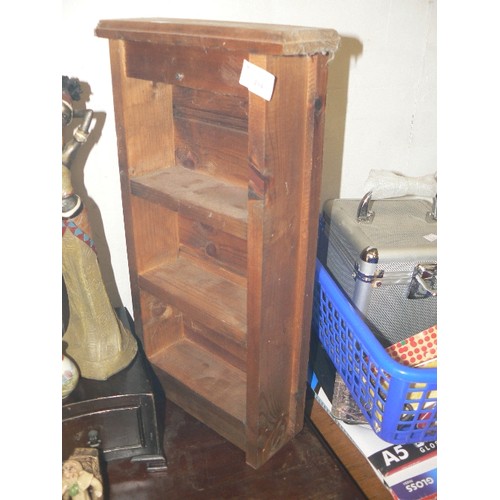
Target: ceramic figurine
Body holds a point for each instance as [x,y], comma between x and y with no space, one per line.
[79,484]
[96,339]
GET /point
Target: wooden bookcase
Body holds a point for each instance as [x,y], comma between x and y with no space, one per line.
[221,193]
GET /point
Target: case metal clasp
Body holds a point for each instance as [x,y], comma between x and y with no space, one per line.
[424,281]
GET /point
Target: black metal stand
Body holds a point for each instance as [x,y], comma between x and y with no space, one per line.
[119,416]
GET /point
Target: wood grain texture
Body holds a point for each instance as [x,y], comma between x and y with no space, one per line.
[211,245]
[162,323]
[155,233]
[196,195]
[140,149]
[144,111]
[208,388]
[231,350]
[190,67]
[224,36]
[206,296]
[219,109]
[216,381]
[282,152]
[220,152]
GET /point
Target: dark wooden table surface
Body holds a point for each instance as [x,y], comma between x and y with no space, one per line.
[203,465]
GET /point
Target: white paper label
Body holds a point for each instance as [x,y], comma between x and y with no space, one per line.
[257,80]
[431,237]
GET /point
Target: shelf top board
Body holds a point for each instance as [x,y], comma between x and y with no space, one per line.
[254,38]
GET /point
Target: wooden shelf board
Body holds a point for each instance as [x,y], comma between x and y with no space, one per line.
[205,375]
[207,297]
[197,195]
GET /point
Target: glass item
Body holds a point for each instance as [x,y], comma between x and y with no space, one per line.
[343,405]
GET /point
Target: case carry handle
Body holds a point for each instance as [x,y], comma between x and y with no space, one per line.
[365,215]
[384,184]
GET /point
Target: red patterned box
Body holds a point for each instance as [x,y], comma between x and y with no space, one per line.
[417,349]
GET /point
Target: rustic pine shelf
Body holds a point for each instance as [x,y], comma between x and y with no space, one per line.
[220,193]
[210,298]
[215,381]
[196,195]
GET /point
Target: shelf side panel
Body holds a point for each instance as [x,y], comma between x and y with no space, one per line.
[143,144]
[143,111]
[155,234]
[161,324]
[286,173]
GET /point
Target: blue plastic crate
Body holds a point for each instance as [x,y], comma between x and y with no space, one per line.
[399,402]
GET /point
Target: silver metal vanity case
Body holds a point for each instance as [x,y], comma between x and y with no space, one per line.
[383,254]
